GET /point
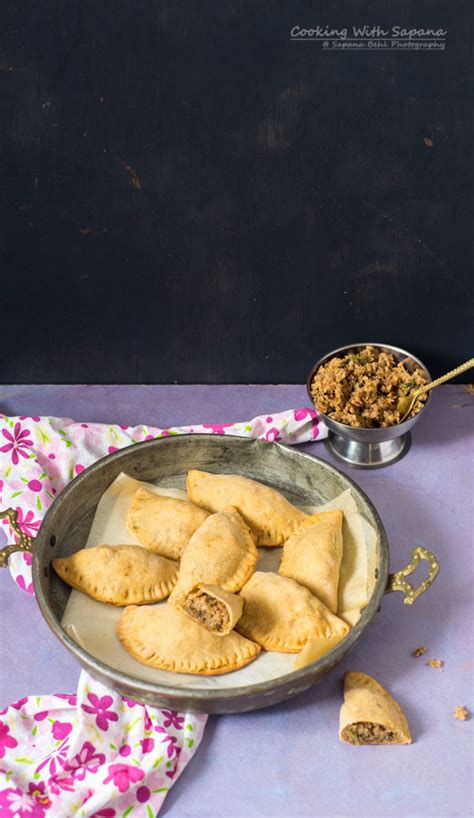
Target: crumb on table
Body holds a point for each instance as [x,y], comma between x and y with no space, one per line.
[419,651]
[461,713]
[435,663]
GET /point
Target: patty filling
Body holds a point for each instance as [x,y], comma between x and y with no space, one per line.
[367,732]
[361,389]
[207,611]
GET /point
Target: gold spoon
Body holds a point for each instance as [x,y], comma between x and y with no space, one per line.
[405,404]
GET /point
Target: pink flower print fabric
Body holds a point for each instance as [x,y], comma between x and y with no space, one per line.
[124,775]
[6,741]
[17,804]
[99,707]
[94,755]
[39,456]
[17,443]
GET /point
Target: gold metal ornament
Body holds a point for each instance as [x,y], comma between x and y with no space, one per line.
[25,542]
[397,581]
[405,404]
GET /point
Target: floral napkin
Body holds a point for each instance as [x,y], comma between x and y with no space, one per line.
[93,754]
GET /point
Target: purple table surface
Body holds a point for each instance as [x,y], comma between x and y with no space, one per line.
[287,760]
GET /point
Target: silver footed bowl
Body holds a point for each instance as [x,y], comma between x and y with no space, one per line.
[369,448]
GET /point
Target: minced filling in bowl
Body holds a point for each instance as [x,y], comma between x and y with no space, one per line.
[361,389]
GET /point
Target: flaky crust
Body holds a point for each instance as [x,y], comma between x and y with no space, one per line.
[313,557]
[270,515]
[283,616]
[119,574]
[365,700]
[221,552]
[163,637]
[163,524]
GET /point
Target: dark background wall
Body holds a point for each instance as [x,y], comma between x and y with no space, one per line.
[188,196]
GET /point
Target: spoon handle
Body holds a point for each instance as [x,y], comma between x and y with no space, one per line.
[461,368]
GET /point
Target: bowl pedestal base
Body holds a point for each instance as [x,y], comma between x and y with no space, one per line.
[367,455]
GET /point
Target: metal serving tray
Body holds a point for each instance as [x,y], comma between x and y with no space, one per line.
[304,479]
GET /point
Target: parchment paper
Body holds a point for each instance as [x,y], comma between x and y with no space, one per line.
[93,624]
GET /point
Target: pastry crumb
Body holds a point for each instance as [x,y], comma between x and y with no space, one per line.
[435,663]
[419,651]
[461,713]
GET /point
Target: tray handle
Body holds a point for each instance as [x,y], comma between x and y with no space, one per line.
[25,542]
[397,581]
